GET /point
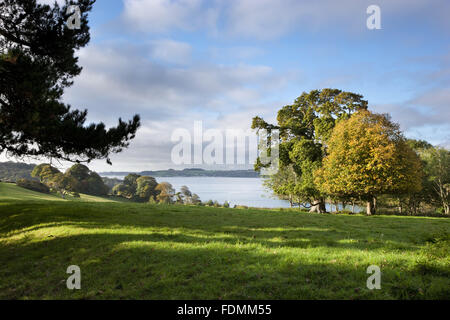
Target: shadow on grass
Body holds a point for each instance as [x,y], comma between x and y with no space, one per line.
[158,266]
[270,229]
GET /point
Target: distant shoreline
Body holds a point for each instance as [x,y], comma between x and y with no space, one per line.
[189,173]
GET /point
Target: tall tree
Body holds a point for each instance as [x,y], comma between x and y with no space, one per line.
[186,194]
[123,190]
[304,128]
[411,202]
[44,172]
[131,180]
[437,169]
[368,156]
[166,193]
[195,199]
[62,183]
[89,182]
[145,188]
[37,62]
[282,183]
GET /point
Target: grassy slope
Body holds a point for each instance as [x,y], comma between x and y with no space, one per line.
[142,251]
[11,192]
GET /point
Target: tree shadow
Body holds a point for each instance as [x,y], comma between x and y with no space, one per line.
[161,266]
[228,226]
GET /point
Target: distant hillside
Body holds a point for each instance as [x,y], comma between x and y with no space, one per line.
[190,173]
[12,171]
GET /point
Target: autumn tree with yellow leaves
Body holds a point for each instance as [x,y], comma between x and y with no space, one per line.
[368,156]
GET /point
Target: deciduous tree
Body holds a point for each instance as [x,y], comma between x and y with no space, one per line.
[368,156]
[166,193]
[145,188]
[304,128]
[437,169]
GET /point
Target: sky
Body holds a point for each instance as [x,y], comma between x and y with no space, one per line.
[223,62]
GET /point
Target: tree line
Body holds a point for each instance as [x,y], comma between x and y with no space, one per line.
[75,180]
[146,189]
[333,149]
[80,179]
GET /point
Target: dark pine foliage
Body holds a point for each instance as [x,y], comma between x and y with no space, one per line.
[37,63]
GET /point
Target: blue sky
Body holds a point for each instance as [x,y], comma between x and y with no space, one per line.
[223,62]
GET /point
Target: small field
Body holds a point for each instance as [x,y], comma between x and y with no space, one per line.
[143,251]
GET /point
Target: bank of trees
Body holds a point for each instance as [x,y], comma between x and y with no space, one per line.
[80,179]
[77,179]
[146,189]
[137,188]
[333,149]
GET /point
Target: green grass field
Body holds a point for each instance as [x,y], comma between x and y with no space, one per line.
[143,251]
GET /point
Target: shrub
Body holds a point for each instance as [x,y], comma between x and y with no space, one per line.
[226,204]
[344,212]
[33,185]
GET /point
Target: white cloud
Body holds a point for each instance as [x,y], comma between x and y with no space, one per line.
[163,15]
[268,19]
[119,80]
[424,117]
[122,78]
[171,51]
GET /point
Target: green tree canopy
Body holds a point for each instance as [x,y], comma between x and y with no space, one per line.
[131,180]
[145,188]
[137,187]
[123,190]
[79,172]
[437,169]
[304,128]
[87,181]
[44,172]
[63,182]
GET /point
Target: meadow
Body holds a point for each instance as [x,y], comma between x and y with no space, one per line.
[150,251]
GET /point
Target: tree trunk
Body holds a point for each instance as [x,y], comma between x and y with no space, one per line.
[318,206]
[353,207]
[371,206]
